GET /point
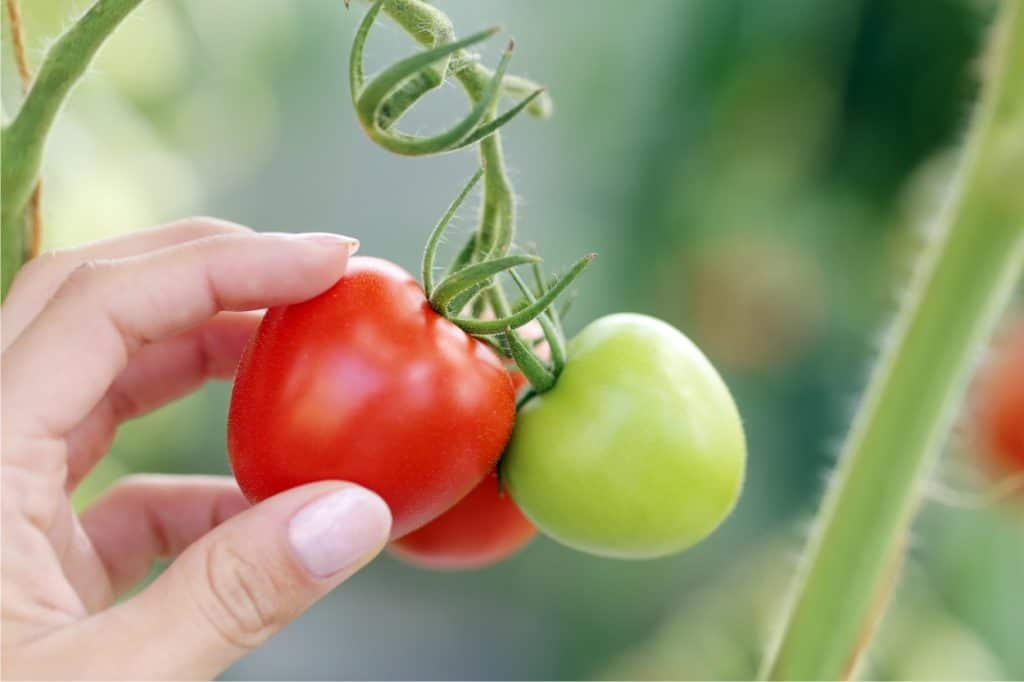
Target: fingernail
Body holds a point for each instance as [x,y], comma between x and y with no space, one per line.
[338,531]
[329,239]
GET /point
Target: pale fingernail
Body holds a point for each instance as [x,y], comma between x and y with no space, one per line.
[329,239]
[338,531]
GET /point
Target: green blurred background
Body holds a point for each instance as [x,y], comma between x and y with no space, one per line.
[759,173]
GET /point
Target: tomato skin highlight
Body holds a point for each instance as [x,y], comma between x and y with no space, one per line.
[483,528]
[637,452]
[1001,406]
[367,383]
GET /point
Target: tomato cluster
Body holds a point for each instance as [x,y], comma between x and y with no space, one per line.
[637,451]
[624,442]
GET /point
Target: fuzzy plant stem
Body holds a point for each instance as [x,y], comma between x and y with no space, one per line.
[963,282]
[497,225]
[24,138]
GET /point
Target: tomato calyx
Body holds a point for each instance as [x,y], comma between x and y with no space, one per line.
[466,282]
[541,378]
[471,278]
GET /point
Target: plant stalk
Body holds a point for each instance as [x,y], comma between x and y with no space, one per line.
[24,138]
[497,225]
[964,280]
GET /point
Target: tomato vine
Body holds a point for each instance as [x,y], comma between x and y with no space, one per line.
[24,137]
[471,280]
[964,280]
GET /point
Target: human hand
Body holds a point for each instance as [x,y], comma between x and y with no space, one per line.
[97,335]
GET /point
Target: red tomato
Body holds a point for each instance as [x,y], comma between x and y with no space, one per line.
[483,528]
[367,383]
[1001,404]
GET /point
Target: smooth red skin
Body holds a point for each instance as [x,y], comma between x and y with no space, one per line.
[1002,405]
[484,527]
[366,383]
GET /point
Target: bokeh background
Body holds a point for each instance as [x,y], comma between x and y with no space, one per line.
[760,173]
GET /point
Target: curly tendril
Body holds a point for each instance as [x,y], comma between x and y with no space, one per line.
[382,102]
[471,282]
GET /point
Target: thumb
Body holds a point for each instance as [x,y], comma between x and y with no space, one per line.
[238,585]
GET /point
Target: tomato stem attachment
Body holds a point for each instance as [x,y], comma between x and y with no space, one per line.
[472,276]
[530,312]
[552,329]
[540,377]
[476,295]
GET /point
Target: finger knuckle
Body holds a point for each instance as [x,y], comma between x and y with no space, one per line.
[86,274]
[242,603]
[41,267]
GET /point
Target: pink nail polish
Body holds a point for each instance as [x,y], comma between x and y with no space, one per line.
[330,239]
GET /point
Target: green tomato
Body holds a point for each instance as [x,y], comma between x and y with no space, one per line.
[638,451]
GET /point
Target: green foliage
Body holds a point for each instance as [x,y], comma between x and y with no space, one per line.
[24,138]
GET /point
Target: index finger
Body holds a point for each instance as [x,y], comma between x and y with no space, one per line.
[42,276]
[64,362]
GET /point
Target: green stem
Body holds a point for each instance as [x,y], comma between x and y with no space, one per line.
[472,276]
[375,97]
[469,296]
[430,252]
[488,129]
[540,377]
[553,333]
[530,312]
[25,137]
[965,279]
[517,86]
[497,226]
[496,232]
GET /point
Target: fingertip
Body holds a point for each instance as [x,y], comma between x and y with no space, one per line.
[325,253]
[293,267]
[339,531]
[328,239]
